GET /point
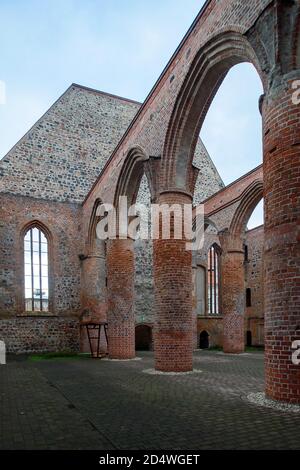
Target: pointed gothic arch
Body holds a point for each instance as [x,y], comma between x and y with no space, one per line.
[131,175]
[249,200]
[203,80]
[36,247]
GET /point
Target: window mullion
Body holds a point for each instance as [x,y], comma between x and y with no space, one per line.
[31,262]
[40,270]
[215,282]
[210,284]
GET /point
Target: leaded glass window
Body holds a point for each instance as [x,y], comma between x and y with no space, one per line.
[213,280]
[36,271]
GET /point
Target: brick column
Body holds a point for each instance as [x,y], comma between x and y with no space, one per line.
[174,326]
[282,249]
[93,293]
[194,300]
[120,289]
[233,294]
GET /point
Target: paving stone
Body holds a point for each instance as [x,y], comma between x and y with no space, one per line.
[87,404]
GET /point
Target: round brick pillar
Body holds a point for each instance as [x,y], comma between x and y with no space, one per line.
[174,325]
[233,294]
[282,250]
[120,291]
[194,301]
[93,293]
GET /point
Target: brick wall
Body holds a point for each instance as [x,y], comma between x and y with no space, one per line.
[63,221]
[214,328]
[254,240]
[166,127]
[40,334]
[254,315]
[77,135]
[208,182]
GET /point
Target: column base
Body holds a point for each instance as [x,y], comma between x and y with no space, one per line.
[233,334]
[173,352]
[121,344]
[282,376]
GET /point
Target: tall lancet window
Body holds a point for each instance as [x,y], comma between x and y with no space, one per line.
[36,271]
[213,281]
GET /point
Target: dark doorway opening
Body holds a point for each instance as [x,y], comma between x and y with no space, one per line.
[248,297]
[249,338]
[143,338]
[204,340]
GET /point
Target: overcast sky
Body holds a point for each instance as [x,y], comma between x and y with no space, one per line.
[121,47]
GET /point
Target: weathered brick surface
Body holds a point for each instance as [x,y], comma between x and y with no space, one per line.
[53,137]
[155,124]
[77,135]
[214,328]
[166,129]
[63,222]
[208,182]
[173,329]
[254,281]
[282,247]
[221,207]
[227,212]
[149,128]
[120,279]
[233,294]
[40,334]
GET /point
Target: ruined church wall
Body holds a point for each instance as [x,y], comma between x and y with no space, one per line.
[57,329]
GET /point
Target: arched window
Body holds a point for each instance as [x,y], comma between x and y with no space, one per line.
[36,271]
[213,280]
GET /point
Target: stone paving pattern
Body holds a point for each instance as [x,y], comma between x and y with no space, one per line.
[89,404]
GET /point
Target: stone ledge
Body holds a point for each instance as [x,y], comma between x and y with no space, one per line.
[37,315]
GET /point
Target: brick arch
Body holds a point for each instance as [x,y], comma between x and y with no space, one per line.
[202,82]
[37,224]
[91,236]
[130,176]
[216,247]
[249,200]
[120,264]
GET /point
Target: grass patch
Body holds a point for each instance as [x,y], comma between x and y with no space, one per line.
[57,355]
[254,348]
[247,348]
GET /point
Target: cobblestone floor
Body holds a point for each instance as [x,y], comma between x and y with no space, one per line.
[91,404]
